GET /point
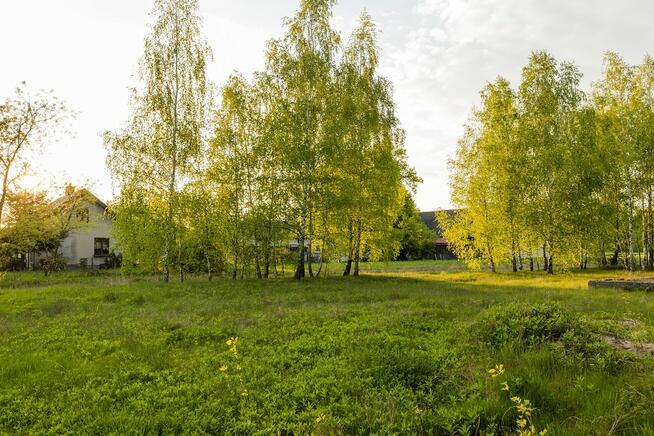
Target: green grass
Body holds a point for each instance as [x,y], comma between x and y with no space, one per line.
[404,349]
[414,266]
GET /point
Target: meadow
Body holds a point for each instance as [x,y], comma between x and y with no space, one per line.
[404,349]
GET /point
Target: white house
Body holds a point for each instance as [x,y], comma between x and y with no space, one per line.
[91,241]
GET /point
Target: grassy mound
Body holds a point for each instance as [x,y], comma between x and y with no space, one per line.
[526,326]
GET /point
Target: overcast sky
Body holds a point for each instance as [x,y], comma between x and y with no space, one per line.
[438,54]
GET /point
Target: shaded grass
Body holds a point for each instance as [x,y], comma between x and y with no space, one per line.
[394,352]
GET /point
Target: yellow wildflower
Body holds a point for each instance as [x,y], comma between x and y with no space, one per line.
[223,368]
[505,386]
[497,371]
[525,408]
[522,423]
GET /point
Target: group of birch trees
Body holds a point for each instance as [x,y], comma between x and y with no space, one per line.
[307,154]
[547,174]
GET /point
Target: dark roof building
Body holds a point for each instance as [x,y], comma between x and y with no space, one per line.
[429,218]
[442,251]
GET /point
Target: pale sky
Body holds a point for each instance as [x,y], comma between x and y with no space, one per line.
[438,53]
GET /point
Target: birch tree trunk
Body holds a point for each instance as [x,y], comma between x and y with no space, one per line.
[632,258]
[357,252]
[350,251]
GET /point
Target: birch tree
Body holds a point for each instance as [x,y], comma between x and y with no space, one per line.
[232,162]
[371,149]
[25,122]
[613,99]
[154,154]
[302,63]
[644,93]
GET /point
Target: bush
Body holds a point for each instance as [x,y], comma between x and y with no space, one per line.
[139,300]
[548,324]
[110,297]
[53,262]
[529,324]
[114,260]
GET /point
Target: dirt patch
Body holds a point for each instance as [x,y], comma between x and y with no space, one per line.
[622,344]
[645,284]
[629,323]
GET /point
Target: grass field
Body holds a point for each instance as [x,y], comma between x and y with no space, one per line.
[404,349]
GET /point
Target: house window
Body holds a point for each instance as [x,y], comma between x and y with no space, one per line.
[101,247]
[83,214]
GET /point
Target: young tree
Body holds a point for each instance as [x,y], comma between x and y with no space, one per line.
[203,225]
[231,163]
[486,183]
[615,105]
[474,232]
[154,155]
[29,227]
[24,123]
[302,65]
[413,239]
[370,155]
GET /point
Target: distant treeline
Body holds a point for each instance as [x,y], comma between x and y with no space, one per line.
[308,155]
[547,175]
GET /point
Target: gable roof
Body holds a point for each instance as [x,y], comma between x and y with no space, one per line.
[429,219]
[83,192]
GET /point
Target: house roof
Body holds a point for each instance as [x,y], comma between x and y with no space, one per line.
[86,194]
[429,218]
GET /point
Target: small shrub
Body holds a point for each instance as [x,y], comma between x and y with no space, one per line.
[398,361]
[193,336]
[110,297]
[139,300]
[530,325]
[58,307]
[114,260]
[52,263]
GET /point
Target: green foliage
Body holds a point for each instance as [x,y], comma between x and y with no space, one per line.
[545,172]
[414,239]
[309,152]
[157,152]
[532,325]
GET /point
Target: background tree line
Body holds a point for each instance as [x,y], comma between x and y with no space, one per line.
[547,175]
[308,151]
